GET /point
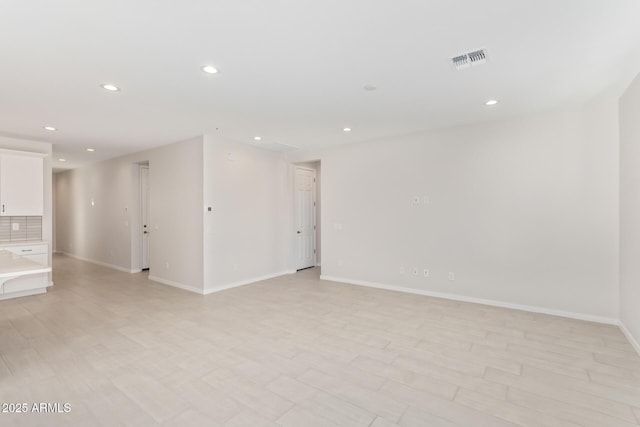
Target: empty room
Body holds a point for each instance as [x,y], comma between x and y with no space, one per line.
[320,213]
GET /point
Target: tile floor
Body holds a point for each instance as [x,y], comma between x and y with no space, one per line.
[295,352]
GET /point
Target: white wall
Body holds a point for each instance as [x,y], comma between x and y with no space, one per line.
[523,212]
[240,241]
[98,232]
[244,237]
[39,147]
[630,211]
[53,214]
[107,231]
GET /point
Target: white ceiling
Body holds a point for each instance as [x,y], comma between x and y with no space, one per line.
[293,71]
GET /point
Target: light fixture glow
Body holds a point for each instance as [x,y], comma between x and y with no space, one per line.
[51,128]
[346,129]
[491,102]
[91,150]
[110,87]
[210,69]
[62,160]
[257,138]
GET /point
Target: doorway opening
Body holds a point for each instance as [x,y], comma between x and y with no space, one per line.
[307,218]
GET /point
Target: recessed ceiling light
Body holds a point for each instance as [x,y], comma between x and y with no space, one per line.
[257,138]
[51,128]
[491,102]
[62,160]
[346,129]
[210,69]
[110,87]
[91,150]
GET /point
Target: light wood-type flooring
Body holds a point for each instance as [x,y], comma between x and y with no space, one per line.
[296,351]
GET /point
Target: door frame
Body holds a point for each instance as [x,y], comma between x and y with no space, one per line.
[144,204]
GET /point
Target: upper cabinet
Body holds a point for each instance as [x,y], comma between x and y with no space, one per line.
[21,184]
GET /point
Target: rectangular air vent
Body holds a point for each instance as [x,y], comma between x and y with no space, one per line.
[466,60]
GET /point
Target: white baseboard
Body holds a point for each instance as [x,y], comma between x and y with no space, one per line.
[175,284]
[246,282]
[630,337]
[494,303]
[103,264]
[219,288]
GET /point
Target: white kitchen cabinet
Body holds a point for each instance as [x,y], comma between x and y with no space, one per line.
[21,184]
[32,283]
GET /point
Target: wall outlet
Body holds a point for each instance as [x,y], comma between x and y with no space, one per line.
[415,271]
[452,276]
[15,226]
[425,272]
[166,264]
[402,270]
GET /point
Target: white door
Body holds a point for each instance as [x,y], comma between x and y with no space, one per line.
[144,209]
[305,217]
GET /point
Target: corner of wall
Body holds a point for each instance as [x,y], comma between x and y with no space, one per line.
[243,185]
[629,212]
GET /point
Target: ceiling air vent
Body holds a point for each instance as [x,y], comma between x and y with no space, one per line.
[466,60]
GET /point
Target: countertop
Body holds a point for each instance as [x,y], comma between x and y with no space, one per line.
[22,243]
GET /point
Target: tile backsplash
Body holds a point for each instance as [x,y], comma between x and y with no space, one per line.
[29,228]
